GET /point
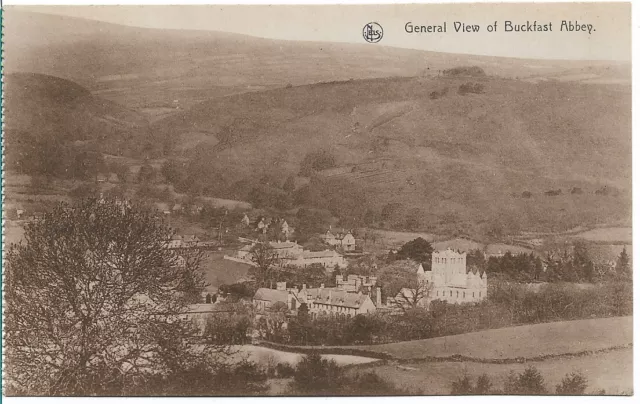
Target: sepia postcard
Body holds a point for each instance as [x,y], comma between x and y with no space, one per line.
[317,200]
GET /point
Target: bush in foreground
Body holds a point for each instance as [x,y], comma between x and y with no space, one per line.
[315,376]
[573,384]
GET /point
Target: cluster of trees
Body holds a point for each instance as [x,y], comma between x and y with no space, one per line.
[317,160]
[528,382]
[575,266]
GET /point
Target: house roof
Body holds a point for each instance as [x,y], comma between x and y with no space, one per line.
[339,297]
[320,254]
[504,248]
[284,244]
[162,206]
[271,295]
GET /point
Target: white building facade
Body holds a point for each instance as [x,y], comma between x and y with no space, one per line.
[450,281]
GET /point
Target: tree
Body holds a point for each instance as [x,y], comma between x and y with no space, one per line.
[316,161]
[395,276]
[413,219]
[418,250]
[316,376]
[622,265]
[462,386]
[147,174]
[413,296]
[94,302]
[266,261]
[483,385]
[573,384]
[289,185]
[529,382]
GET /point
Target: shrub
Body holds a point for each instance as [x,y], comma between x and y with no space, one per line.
[464,386]
[321,377]
[476,71]
[284,369]
[529,382]
[316,376]
[475,88]
[572,384]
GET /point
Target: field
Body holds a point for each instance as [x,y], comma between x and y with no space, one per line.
[529,341]
[219,271]
[608,234]
[264,356]
[612,371]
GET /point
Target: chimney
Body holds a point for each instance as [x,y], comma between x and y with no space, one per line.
[281,285]
[322,286]
[378,297]
[304,286]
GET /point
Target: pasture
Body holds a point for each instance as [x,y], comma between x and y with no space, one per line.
[266,356]
[528,341]
[611,371]
[219,271]
[608,234]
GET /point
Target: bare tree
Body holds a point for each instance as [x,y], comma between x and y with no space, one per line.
[267,261]
[413,296]
[95,302]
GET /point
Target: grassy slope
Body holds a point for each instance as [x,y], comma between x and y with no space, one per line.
[461,156]
[42,106]
[528,341]
[612,371]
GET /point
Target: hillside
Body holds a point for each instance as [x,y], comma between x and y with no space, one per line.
[456,158]
[157,71]
[43,113]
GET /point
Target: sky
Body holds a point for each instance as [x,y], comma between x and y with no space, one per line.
[611,39]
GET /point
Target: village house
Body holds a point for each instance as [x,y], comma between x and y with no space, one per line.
[345,241]
[354,283]
[336,302]
[291,253]
[320,301]
[285,229]
[186,241]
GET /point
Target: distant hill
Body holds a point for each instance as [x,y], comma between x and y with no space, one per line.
[161,70]
[456,158]
[414,148]
[48,111]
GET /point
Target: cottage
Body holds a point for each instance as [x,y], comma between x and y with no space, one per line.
[336,302]
[266,299]
[345,241]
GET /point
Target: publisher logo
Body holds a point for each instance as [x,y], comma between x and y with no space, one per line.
[372,32]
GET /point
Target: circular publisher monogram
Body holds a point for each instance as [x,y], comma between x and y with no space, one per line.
[372,32]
